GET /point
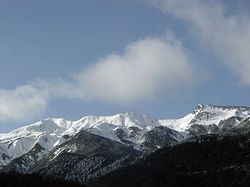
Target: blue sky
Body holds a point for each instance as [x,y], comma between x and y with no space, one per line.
[68,59]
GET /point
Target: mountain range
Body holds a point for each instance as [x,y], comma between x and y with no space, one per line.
[94,146]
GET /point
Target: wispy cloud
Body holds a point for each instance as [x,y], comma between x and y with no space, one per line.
[145,70]
[227,33]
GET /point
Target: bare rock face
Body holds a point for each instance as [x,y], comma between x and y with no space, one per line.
[159,137]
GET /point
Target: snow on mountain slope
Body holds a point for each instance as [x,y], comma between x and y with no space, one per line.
[130,127]
[207,115]
[22,140]
[52,132]
[180,124]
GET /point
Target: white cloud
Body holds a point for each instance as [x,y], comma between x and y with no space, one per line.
[146,69]
[227,34]
[22,103]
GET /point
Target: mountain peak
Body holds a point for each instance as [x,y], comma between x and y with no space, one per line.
[132,126]
[198,108]
[206,107]
[227,107]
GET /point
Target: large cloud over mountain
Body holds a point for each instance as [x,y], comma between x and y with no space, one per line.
[145,70]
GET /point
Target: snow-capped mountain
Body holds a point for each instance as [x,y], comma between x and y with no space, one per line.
[52,132]
[50,141]
[206,115]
